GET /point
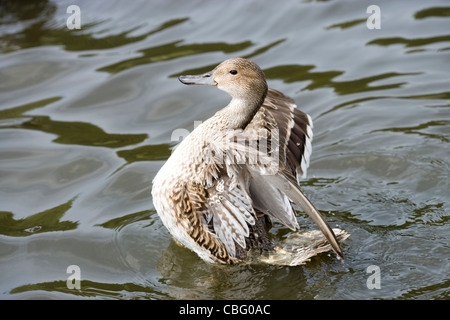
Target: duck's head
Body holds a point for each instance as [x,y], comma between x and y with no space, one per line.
[239,77]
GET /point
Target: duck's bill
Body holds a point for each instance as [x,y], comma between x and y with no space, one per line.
[206,78]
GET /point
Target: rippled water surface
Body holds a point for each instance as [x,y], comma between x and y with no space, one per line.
[87,116]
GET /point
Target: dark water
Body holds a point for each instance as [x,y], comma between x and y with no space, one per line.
[87,117]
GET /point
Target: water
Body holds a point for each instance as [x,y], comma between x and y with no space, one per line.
[87,116]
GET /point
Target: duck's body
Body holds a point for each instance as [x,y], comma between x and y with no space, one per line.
[222,183]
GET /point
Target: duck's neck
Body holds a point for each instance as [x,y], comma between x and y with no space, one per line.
[239,112]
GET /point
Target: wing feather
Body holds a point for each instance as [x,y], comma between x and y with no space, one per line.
[232,213]
[294,126]
[248,182]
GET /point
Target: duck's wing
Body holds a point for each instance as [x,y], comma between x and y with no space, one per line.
[284,134]
[215,207]
[289,132]
[230,212]
[192,212]
[294,130]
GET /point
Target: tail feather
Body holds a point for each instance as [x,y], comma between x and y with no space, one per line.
[293,191]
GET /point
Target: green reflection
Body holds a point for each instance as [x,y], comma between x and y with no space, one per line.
[38,31]
[363,84]
[409,42]
[431,96]
[46,221]
[80,133]
[439,12]
[207,68]
[18,112]
[74,41]
[321,182]
[93,289]
[264,49]
[348,24]
[147,153]
[419,130]
[439,291]
[296,73]
[119,223]
[174,50]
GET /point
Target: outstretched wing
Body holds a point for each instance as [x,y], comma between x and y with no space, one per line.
[192,213]
[271,192]
[287,134]
[231,212]
[221,214]
[294,130]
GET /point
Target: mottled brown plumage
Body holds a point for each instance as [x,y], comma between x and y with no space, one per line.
[223,183]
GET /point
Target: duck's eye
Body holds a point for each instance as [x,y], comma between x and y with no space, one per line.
[233,72]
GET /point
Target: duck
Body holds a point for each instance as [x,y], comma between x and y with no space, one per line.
[225,182]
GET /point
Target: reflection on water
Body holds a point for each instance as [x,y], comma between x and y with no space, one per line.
[39,30]
[87,116]
[147,153]
[410,42]
[423,127]
[47,221]
[119,223]
[172,51]
[228,49]
[68,132]
[318,80]
[218,282]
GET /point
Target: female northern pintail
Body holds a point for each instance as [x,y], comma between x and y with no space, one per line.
[222,184]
